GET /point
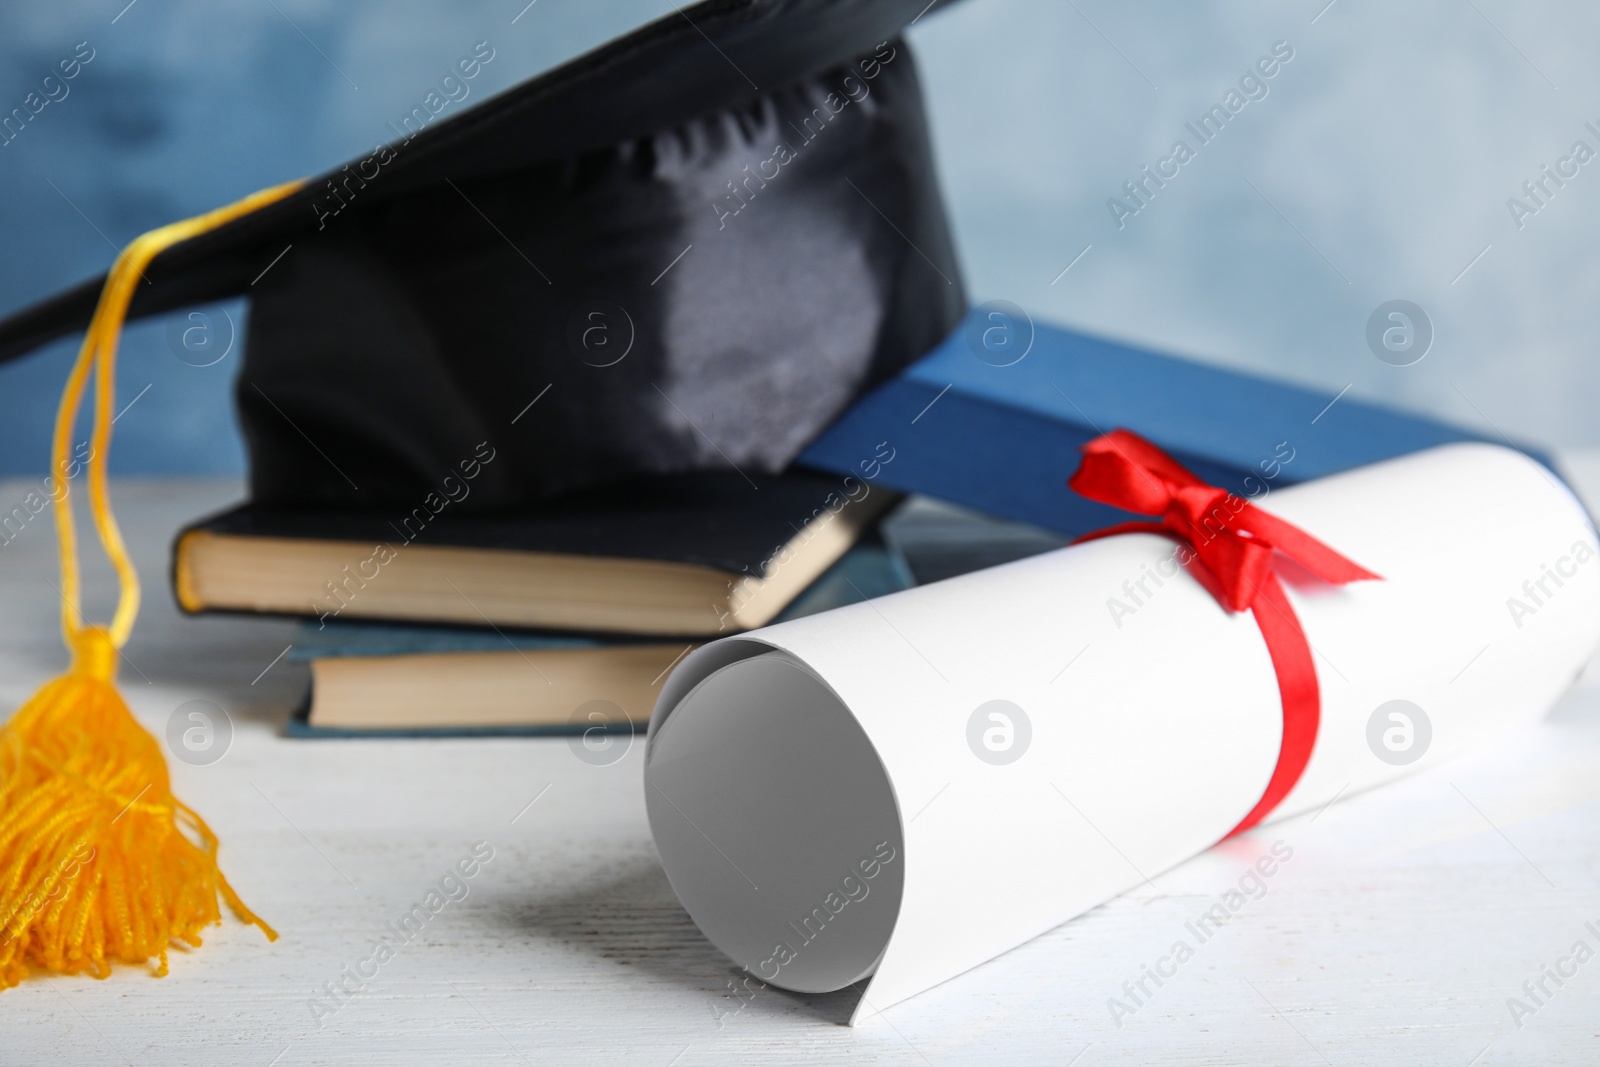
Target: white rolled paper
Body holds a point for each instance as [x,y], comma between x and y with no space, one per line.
[910,786]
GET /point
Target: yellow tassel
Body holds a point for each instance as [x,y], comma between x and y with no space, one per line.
[95,861]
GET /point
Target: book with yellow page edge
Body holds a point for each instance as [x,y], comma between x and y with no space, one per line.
[691,555]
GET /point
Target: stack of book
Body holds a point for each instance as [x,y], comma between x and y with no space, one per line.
[444,620]
[441,623]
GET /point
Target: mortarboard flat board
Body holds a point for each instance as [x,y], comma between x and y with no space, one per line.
[994,420]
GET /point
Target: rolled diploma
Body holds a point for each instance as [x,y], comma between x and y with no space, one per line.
[785,763]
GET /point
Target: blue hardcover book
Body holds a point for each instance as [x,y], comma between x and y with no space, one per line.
[993,418]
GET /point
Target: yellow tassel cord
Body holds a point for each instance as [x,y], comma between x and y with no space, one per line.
[93,864]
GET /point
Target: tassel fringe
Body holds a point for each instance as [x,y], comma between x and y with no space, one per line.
[99,862]
[97,868]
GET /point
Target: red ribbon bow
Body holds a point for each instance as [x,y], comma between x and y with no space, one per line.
[1232,542]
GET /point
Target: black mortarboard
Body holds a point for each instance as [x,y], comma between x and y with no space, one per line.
[695,247]
[702,242]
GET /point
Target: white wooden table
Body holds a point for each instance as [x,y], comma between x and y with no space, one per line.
[1395,934]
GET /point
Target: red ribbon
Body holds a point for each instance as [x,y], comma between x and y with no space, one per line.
[1232,542]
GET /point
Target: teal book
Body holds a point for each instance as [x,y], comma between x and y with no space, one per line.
[399,680]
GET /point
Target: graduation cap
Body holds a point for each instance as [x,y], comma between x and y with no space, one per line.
[725,222]
[731,212]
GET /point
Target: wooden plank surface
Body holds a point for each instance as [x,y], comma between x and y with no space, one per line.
[1396,933]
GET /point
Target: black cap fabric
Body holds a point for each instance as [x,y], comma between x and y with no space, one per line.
[689,249]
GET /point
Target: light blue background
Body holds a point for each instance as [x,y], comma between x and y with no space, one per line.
[1377,168]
